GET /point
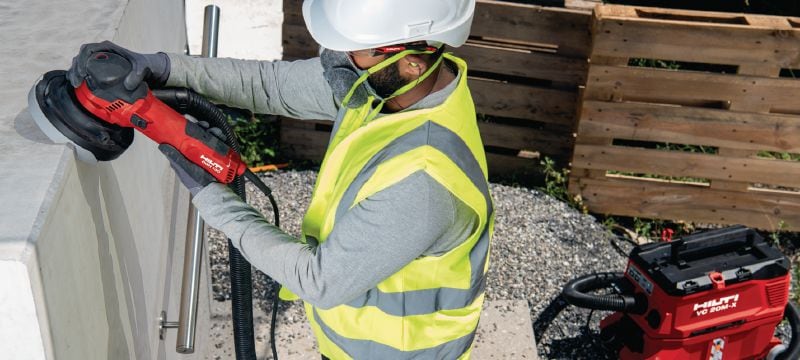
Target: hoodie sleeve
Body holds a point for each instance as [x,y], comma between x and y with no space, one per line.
[295,89]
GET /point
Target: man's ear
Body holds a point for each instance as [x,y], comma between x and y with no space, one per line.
[412,66]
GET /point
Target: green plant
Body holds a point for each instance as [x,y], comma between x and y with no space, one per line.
[258,137]
[775,236]
[555,184]
[654,63]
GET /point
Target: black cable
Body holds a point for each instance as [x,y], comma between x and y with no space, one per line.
[273,321]
[255,180]
[618,248]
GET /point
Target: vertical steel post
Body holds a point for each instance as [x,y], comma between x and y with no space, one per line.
[195,235]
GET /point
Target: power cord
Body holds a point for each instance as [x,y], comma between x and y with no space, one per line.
[255,180]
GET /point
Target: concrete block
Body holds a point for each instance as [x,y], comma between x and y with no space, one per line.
[505,331]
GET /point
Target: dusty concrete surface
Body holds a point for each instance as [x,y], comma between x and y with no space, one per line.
[90,245]
[504,332]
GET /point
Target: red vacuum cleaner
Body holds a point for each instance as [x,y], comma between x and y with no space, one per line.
[713,295]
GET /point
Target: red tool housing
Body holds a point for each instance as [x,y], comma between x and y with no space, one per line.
[164,125]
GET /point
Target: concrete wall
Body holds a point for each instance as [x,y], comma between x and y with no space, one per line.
[89,254]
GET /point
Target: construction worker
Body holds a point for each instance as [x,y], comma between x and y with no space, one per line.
[394,250]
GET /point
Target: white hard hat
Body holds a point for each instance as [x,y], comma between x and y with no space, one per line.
[347,25]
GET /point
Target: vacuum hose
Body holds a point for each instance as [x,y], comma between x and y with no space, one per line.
[188,102]
[576,292]
[793,350]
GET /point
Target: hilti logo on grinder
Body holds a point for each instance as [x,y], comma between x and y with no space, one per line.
[211,164]
[711,306]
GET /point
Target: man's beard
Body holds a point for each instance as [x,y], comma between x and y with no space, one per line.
[386,81]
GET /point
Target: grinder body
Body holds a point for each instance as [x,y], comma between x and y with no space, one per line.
[103,95]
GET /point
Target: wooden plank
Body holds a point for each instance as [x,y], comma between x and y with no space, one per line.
[687,164]
[679,87]
[298,43]
[303,124]
[300,140]
[732,185]
[506,165]
[662,200]
[567,29]
[547,141]
[583,5]
[524,102]
[694,37]
[531,64]
[292,7]
[293,14]
[693,126]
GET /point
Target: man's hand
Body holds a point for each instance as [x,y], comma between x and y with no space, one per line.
[151,68]
[192,176]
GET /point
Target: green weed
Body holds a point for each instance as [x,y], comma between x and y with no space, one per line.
[258,137]
[555,184]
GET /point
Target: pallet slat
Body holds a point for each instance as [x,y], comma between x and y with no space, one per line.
[692,126]
[684,164]
[693,36]
[613,83]
[538,65]
[514,137]
[524,102]
[567,29]
[658,199]
[506,164]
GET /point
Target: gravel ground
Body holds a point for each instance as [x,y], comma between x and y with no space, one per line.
[539,245]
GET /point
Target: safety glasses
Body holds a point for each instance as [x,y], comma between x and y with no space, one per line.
[383,50]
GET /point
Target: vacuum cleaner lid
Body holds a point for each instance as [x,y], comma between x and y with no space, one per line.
[681,267]
[56,107]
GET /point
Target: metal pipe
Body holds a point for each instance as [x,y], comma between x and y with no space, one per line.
[210,31]
[193,258]
[190,287]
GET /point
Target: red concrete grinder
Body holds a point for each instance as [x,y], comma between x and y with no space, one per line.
[99,117]
[713,295]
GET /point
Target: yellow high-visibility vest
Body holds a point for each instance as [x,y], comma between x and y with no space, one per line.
[430,308]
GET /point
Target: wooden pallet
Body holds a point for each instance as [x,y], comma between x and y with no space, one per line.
[526,65]
[737,104]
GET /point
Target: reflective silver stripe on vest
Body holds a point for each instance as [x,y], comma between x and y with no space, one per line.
[368,349]
[427,301]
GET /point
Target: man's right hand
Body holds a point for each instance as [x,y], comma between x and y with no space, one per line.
[151,68]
